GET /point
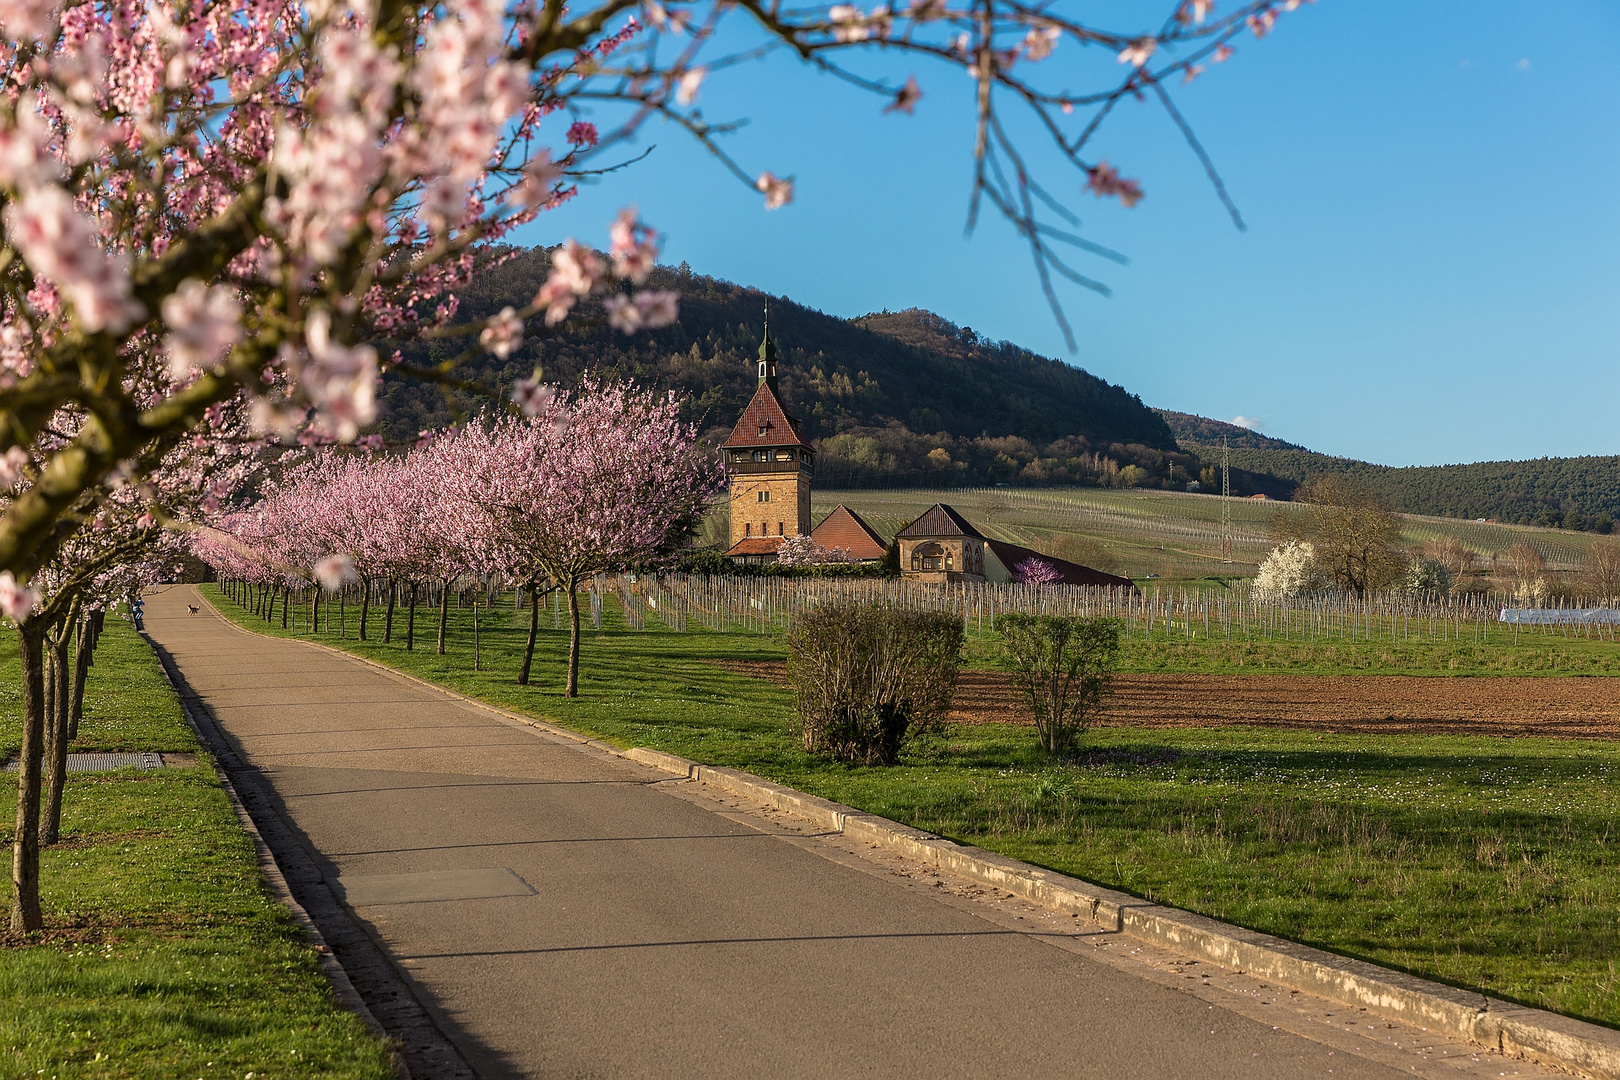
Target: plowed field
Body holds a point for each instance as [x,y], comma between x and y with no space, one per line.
[1570,708]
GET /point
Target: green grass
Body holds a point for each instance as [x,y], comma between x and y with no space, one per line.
[163,955]
[1493,864]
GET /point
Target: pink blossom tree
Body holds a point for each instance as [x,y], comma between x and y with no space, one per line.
[602,480]
[1036,571]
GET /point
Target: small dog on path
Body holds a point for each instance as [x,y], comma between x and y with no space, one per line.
[193,608]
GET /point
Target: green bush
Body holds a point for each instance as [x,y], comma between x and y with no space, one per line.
[867,677]
[1065,669]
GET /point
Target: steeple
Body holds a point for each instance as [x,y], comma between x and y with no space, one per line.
[767,353]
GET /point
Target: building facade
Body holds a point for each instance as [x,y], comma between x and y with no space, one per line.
[943,546]
[770,465]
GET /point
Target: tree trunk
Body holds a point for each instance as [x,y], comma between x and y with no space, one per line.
[534,631]
[315,612]
[25,913]
[476,657]
[388,624]
[444,613]
[82,660]
[410,621]
[286,599]
[365,605]
[54,763]
[573,638]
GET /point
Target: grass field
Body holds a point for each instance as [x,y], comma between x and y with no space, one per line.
[1489,863]
[1172,534]
[163,956]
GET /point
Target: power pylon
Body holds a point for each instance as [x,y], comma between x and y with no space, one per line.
[1227,543]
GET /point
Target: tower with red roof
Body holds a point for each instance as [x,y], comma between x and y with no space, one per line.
[770,464]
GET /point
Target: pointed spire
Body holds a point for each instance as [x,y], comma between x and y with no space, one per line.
[767,352]
[767,347]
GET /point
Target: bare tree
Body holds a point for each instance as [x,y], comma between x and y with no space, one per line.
[1599,577]
[1460,560]
[1354,532]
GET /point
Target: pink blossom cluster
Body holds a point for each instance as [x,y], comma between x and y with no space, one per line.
[805,551]
[578,272]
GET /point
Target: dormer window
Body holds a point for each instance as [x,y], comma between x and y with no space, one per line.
[763,428]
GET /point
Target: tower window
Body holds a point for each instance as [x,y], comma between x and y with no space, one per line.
[748,528]
[762,455]
[762,369]
[765,496]
[779,531]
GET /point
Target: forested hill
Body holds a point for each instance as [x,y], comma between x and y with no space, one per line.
[890,398]
[1203,431]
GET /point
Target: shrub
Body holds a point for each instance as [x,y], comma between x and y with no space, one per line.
[1065,669]
[867,677]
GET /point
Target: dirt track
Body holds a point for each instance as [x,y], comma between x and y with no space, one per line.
[1570,708]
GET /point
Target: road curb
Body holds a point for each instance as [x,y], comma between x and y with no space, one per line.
[1514,1030]
[275,881]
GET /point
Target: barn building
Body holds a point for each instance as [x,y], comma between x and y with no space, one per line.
[845,529]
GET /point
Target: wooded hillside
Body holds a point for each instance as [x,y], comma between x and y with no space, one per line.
[891,398]
[1568,493]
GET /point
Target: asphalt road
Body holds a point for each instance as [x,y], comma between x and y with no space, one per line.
[564,913]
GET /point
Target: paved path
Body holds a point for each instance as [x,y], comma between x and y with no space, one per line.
[564,913]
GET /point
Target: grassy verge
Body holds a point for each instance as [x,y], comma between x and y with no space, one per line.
[163,956]
[1489,863]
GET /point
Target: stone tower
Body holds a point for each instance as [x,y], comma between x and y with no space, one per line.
[770,465]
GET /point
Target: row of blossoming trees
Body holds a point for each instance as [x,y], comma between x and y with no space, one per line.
[602,479]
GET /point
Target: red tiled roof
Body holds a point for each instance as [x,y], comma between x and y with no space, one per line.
[765,410]
[755,545]
[939,520]
[1073,573]
[843,528]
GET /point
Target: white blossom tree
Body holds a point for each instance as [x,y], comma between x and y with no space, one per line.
[1290,570]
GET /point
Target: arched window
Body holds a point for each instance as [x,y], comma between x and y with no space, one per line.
[762,369]
[928,556]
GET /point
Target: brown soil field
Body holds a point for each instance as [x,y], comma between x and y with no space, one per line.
[1567,708]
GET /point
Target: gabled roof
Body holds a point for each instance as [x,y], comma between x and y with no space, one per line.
[844,528]
[1073,573]
[756,545]
[765,410]
[939,520]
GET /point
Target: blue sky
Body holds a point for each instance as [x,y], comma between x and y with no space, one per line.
[1431,272]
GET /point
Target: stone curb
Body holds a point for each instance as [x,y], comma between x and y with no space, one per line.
[276,882]
[1514,1030]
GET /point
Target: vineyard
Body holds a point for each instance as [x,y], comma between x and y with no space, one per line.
[768,605]
[1170,534]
